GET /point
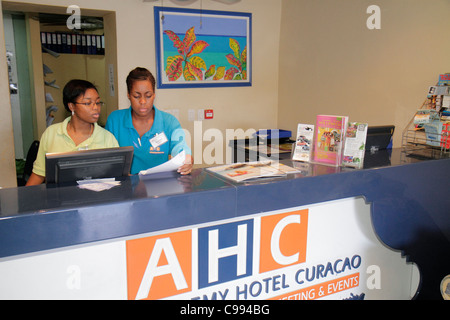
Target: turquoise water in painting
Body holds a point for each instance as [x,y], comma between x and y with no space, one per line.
[219,47]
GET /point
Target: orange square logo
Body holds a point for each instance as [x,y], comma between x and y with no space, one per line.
[283,240]
[159,266]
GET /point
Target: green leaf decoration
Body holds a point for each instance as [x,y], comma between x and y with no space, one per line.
[198,62]
[244,58]
[234,45]
[220,73]
[211,71]
[174,67]
[171,61]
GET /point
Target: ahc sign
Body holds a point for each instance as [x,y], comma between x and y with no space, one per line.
[265,256]
[322,251]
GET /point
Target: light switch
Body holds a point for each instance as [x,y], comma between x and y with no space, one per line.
[191,115]
[201,115]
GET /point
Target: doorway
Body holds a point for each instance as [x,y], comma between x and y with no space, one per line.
[38,70]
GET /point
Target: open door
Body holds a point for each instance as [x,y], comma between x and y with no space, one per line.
[43,73]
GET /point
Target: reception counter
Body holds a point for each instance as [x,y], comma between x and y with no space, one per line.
[382,232]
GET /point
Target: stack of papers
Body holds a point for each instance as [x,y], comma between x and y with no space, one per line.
[98,184]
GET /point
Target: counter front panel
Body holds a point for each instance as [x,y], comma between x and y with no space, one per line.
[332,233]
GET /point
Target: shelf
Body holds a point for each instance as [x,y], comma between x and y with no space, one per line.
[425,142]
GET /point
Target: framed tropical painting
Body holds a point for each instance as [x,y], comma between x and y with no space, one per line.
[202,48]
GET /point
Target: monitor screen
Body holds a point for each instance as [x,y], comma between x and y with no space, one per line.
[88,164]
[379,137]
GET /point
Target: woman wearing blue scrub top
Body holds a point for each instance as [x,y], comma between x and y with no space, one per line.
[154,134]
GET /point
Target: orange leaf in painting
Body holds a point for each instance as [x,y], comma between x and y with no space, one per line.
[177,43]
[188,76]
[197,47]
[233,61]
[195,71]
[229,75]
[189,39]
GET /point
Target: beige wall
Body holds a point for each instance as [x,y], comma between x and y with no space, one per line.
[250,107]
[331,63]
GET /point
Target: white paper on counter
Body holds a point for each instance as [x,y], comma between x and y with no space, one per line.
[98,184]
[171,165]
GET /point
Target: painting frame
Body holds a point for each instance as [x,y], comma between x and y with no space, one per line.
[202,48]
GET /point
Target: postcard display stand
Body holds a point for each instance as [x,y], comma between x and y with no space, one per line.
[427,133]
[333,141]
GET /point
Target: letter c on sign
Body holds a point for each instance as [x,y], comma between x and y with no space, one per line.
[275,241]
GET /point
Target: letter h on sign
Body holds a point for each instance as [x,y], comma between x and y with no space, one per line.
[225,252]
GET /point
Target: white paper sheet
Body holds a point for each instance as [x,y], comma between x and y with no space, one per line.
[171,165]
[98,184]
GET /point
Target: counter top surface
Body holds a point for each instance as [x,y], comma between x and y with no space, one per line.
[43,198]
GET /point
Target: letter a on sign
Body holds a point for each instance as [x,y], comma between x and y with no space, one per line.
[159,266]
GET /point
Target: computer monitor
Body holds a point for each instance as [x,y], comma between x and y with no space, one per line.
[379,137]
[73,166]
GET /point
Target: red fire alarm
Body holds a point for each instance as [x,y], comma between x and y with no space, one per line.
[209,114]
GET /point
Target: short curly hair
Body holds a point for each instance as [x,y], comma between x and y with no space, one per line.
[74,89]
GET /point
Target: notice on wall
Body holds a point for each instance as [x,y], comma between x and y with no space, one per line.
[112,86]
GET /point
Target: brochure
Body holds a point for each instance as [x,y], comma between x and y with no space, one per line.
[329,139]
[355,145]
[444,79]
[304,142]
[244,171]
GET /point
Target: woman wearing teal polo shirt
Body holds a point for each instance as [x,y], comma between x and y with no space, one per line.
[154,134]
[77,132]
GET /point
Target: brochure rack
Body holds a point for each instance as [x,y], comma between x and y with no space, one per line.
[426,135]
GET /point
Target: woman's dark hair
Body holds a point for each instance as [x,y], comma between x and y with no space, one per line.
[139,74]
[75,88]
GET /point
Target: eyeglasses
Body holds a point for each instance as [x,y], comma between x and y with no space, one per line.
[90,104]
